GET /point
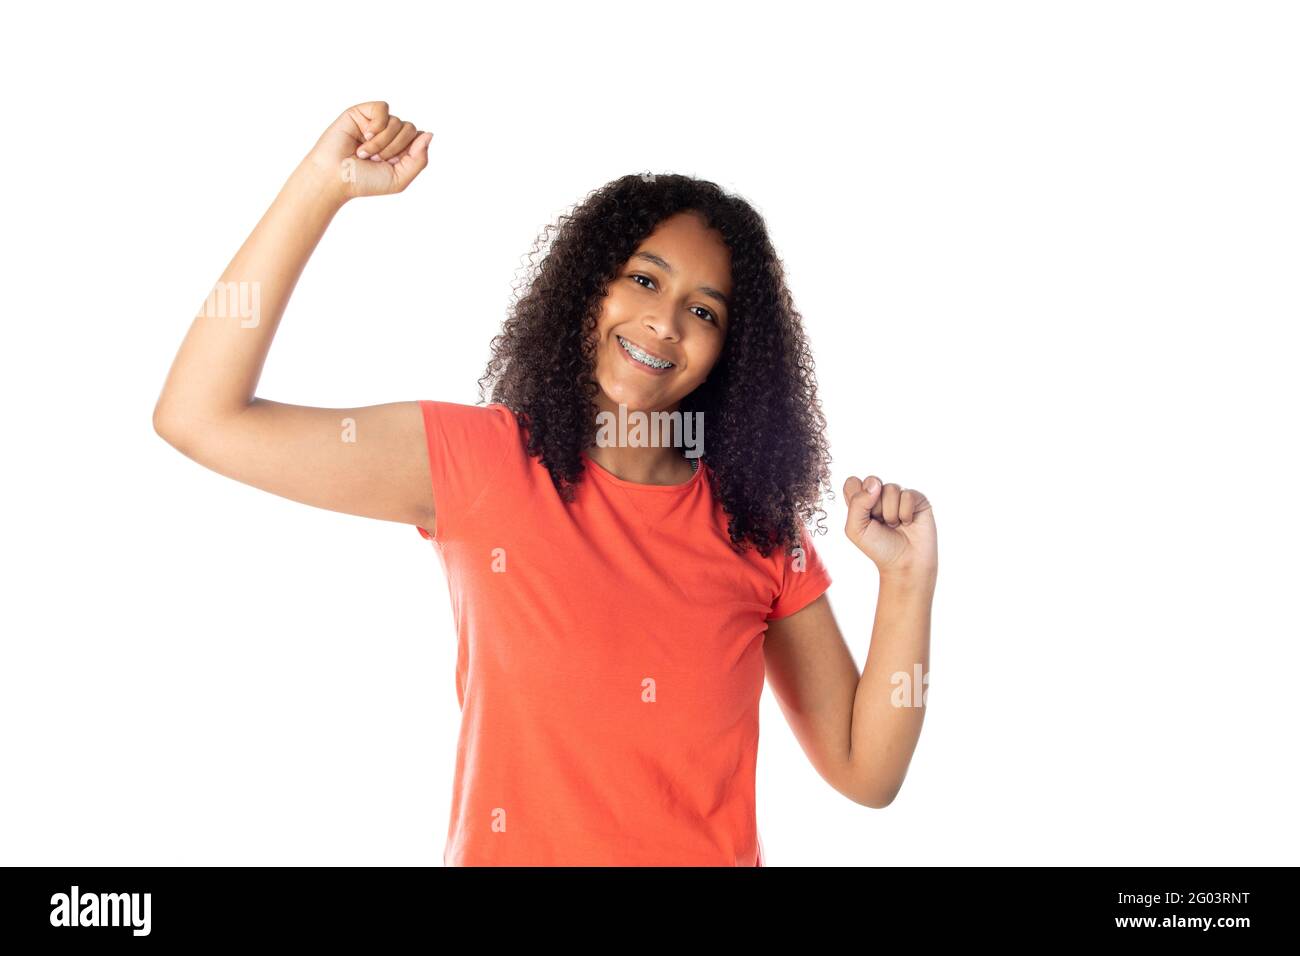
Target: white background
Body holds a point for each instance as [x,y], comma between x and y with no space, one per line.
[1047,258]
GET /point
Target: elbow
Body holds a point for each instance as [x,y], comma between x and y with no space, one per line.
[875,797]
[162,425]
[167,427]
[159,421]
[874,802]
[185,429]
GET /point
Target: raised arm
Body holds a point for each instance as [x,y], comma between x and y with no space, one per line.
[369,461]
[859,730]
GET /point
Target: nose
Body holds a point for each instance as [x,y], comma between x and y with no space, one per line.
[664,323]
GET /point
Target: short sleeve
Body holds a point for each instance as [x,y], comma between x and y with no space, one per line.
[466,445]
[804,578]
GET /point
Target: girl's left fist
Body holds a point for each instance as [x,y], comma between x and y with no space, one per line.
[893,526]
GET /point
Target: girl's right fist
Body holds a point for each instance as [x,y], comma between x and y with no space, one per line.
[370,152]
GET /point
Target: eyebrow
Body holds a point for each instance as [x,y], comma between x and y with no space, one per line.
[662,263]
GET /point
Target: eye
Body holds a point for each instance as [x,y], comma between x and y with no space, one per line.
[707,314]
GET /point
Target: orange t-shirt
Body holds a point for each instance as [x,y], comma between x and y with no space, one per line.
[610,657]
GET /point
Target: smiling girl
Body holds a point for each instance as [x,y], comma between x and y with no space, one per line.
[618,605]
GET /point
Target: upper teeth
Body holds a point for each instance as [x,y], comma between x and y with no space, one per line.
[643,357]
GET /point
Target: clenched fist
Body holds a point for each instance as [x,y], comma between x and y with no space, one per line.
[369,152]
[893,526]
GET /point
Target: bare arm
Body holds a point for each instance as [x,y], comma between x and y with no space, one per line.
[368,461]
[860,730]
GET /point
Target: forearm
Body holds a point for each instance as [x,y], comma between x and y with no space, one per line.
[215,373]
[888,708]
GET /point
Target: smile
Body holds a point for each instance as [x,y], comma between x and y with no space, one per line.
[642,357]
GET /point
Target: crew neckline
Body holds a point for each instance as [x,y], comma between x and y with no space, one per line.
[608,475]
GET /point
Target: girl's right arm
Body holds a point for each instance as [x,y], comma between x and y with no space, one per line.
[369,461]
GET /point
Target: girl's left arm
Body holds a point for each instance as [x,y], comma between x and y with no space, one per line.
[860,730]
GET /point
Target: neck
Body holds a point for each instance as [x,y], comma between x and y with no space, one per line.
[642,464]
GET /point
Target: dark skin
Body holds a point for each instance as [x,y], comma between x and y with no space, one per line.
[857,736]
[668,299]
[848,722]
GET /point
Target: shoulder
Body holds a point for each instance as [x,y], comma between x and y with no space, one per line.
[458,422]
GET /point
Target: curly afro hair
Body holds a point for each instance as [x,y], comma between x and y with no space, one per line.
[767,454]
